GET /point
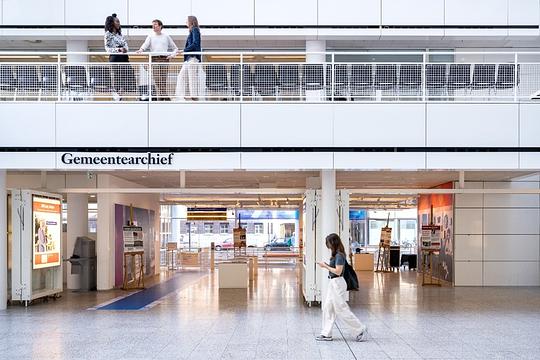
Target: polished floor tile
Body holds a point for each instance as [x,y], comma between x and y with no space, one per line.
[270,321]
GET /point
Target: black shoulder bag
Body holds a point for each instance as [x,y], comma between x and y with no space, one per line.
[350,277]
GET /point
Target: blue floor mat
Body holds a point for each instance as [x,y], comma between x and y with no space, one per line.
[139,300]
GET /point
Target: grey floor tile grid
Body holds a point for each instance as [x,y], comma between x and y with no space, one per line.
[269,321]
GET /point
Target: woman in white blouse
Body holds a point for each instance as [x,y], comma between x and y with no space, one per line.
[117,47]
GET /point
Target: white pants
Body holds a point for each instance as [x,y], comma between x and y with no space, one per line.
[187,84]
[334,305]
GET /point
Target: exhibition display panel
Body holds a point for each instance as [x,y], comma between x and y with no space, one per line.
[36,245]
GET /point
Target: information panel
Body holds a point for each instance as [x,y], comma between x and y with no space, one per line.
[133,238]
[47,231]
[386,236]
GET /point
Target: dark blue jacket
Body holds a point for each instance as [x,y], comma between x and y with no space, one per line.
[193,44]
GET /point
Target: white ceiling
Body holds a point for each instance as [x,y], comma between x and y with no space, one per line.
[297,179]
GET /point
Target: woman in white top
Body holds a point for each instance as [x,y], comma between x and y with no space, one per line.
[117,46]
[160,45]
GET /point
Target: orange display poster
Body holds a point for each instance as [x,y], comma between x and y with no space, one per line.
[46,231]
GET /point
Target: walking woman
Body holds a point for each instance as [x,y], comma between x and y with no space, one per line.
[188,83]
[117,47]
[334,305]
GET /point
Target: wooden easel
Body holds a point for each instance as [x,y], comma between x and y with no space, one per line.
[137,281]
[239,240]
[429,277]
[383,259]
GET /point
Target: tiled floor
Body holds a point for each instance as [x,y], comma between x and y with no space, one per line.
[269,321]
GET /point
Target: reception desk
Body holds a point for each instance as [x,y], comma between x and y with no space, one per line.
[363,262]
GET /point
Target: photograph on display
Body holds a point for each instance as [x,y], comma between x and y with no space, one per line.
[47,232]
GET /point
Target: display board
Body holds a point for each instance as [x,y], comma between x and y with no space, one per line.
[133,238]
[46,231]
[239,236]
[431,237]
[386,236]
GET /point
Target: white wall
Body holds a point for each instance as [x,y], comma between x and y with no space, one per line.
[280,12]
[497,237]
[278,125]
[141,12]
[426,12]
[94,12]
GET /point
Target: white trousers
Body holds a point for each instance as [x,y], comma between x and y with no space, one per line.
[187,84]
[334,305]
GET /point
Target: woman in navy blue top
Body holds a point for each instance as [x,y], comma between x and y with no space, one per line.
[188,84]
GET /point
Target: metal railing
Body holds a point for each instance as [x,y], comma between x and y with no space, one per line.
[253,76]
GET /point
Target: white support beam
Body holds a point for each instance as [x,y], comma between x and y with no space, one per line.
[462,179]
[197,191]
[3,241]
[293,191]
[182,179]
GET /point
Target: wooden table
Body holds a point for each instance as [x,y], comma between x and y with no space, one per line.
[363,262]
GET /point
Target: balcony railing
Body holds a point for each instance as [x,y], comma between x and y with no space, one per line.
[277,77]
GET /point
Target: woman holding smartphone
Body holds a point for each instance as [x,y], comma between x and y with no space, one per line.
[334,305]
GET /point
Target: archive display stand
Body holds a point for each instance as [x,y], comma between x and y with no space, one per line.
[383,258]
[239,238]
[431,244]
[136,265]
[36,245]
[171,255]
[429,276]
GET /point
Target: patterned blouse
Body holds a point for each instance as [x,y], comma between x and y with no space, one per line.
[114,41]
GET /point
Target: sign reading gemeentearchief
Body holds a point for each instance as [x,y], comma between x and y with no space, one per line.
[122,159]
[133,238]
[46,232]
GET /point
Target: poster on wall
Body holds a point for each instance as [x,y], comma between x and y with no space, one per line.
[133,238]
[46,232]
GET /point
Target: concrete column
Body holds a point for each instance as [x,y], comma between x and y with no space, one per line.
[315,46]
[176,215]
[329,219]
[77,225]
[104,248]
[77,46]
[319,47]
[3,241]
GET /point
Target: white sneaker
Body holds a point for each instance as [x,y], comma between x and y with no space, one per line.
[323,338]
[115,96]
[363,335]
